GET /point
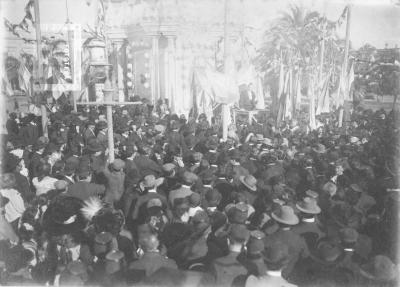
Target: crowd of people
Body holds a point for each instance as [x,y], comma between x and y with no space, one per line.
[272,205]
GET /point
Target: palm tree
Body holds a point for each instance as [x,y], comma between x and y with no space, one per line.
[294,40]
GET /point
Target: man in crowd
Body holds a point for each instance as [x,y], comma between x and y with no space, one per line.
[271,206]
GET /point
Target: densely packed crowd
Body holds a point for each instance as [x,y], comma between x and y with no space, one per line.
[270,206]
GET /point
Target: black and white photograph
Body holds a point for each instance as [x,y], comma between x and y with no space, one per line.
[235,143]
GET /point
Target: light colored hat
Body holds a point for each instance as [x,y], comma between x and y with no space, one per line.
[308,205]
[285,215]
[249,181]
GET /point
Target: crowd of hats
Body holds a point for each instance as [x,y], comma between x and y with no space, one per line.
[176,189]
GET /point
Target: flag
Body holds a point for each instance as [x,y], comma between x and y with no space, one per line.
[311,96]
[281,79]
[6,87]
[297,101]
[323,105]
[24,77]
[288,95]
[350,80]
[259,91]
[282,97]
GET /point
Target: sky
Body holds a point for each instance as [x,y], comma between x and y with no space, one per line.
[373,21]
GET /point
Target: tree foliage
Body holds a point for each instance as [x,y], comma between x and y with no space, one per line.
[295,39]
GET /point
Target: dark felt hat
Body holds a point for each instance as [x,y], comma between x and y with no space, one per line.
[239,233]
[63,216]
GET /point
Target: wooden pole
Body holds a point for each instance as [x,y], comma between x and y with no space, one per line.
[322,55]
[72,61]
[108,96]
[225,108]
[344,115]
[40,64]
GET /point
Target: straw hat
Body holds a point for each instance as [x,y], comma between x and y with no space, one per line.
[249,181]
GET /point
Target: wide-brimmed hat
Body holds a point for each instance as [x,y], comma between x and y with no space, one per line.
[311,193]
[380,268]
[285,215]
[319,148]
[327,252]
[308,205]
[63,216]
[249,181]
[149,181]
[267,142]
[168,168]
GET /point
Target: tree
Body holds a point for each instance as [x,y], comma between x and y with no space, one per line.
[295,40]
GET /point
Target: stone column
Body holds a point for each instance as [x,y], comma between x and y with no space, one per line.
[118,74]
[155,84]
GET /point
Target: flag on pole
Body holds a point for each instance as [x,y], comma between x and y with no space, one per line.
[297,101]
[323,105]
[6,87]
[288,95]
[350,80]
[311,96]
[24,77]
[281,79]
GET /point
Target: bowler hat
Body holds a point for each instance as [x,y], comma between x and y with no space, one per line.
[238,213]
[256,243]
[285,215]
[239,233]
[308,205]
[213,197]
[101,125]
[348,235]
[276,254]
[83,170]
[94,146]
[327,251]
